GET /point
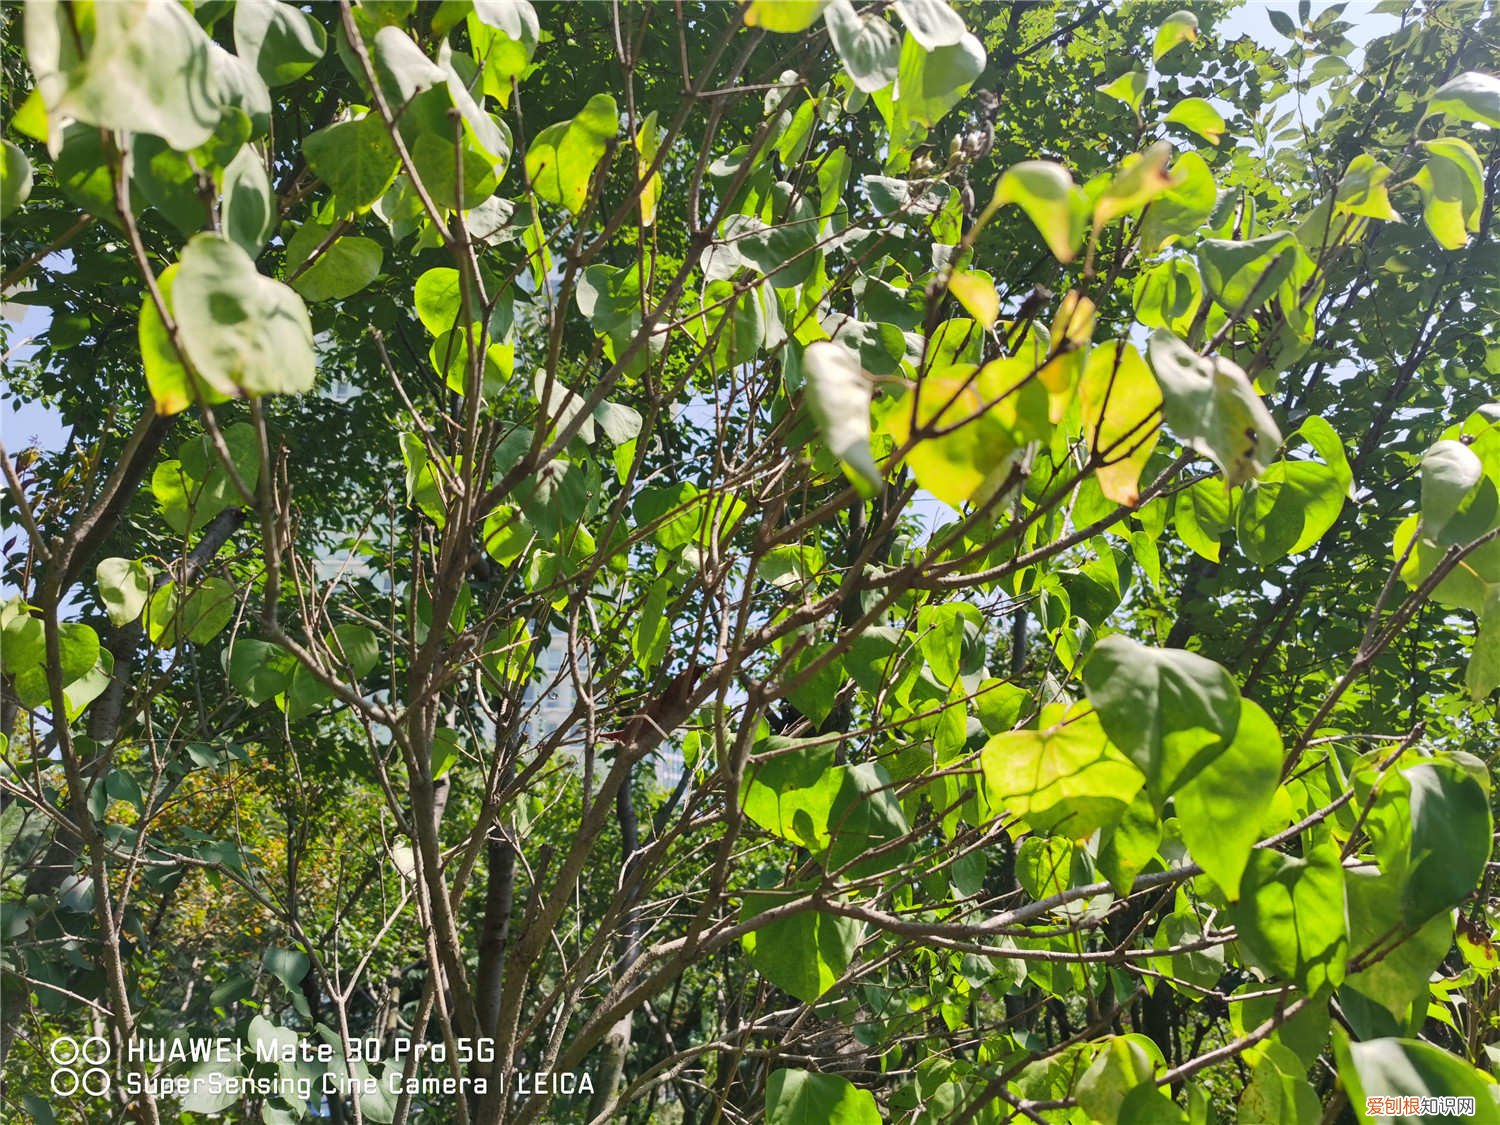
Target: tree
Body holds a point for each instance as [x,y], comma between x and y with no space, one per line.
[786,560]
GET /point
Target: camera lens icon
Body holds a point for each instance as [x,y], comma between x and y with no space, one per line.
[78,1065]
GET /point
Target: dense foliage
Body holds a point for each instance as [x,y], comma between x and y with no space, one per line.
[797,560]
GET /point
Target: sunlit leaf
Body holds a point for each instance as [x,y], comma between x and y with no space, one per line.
[1210,406]
[1179,27]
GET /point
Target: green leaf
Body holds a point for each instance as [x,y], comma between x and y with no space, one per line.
[648,639]
[1397,978]
[838,397]
[1242,276]
[89,686]
[149,69]
[790,789]
[1066,778]
[259,670]
[786,16]
[1200,117]
[1185,205]
[23,642]
[244,333]
[304,697]
[1147,1105]
[504,35]
[619,422]
[249,212]
[1179,27]
[866,43]
[279,40]
[1452,184]
[930,83]
[1294,503]
[1386,1071]
[356,159]
[1472,96]
[350,263]
[124,586]
[865,818]
[1211,407]
[169,183]
[507,534]
[1202,516]
[1172,712]
[1483,673]
[354,646]
[561,160]
[1278,1090]
[1128,845]
[803,954]
[1125,1062]
[1055,206]
[784,251]
[488,135]
[1451,828]
[1219,812]
[1120,400]
[199,617]
[403,69]
[814,695]
[78,654]
[194,487]
[15,178]
[288,966]
[1290,915]
[1129,88]
[1167,295]
[799,1097]
[1450,471]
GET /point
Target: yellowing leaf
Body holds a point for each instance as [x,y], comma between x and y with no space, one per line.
[1200,116]
[960,450]
[1142,178]
[1362,190]
[1066,779]
[1046,192]
[1179,27]
[783,15]
[1129,88]
[172,388]
[976,293]
[647,141]
[562,159]
[1452,183]
[1121,401]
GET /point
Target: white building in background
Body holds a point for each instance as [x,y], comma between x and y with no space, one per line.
[553,697]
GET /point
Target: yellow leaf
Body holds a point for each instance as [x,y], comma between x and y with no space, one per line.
[647,141]
[1121,417]
[976,293]
[960,450]
[783,15]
